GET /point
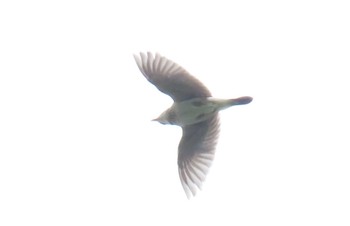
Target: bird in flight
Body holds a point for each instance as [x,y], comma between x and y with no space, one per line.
[194,110]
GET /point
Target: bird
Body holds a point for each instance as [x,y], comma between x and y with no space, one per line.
[194,110]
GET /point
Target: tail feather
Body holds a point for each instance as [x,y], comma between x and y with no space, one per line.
[241,100]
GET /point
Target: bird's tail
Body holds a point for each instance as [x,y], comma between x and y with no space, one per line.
[241,100]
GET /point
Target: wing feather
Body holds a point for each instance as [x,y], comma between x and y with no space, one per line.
[170,78]
[196,153]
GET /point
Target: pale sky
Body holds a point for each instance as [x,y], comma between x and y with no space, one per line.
[77,145]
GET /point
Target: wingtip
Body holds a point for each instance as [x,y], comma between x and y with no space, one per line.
[136,57]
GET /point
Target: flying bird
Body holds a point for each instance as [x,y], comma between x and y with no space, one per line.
[194,109]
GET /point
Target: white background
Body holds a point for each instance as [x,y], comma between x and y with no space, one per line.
[77,146]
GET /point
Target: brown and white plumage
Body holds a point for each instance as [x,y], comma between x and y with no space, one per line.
[192,102]
[170,78]
[196,152]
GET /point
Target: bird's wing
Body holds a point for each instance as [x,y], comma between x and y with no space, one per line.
[170,78]
[196,153]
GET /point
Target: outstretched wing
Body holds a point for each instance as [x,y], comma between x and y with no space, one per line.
[170,78]
[196,153]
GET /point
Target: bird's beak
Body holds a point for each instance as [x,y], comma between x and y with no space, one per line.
[157,120]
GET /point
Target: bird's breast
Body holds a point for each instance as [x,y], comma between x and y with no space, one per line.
[195,110]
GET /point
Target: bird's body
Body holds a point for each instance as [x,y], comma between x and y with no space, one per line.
[194,110]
